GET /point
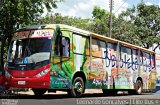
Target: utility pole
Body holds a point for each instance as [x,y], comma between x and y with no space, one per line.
[110,18]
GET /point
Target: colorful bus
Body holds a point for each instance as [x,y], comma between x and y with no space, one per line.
[55,57]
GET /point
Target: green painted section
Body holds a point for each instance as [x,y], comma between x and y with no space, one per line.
[103,69]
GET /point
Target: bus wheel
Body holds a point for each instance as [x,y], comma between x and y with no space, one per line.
[77,87]
[139,87]
[109,92]
[39,92]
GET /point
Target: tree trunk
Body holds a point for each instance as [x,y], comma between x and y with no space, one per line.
[2,53]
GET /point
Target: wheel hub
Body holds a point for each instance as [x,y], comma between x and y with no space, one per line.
[78,87]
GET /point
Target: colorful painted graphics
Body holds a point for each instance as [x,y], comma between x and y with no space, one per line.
[125,65]
[107,65]
[62,64]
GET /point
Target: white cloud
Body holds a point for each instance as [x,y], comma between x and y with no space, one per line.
[148,3]
[84,8]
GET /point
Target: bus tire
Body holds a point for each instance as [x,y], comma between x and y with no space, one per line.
[39,92]
[77,88]
[109,92]
[139,87]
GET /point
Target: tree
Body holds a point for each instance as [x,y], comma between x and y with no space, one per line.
[72,21]
[146,24]
[138,25]
[100,21]
[17,13]
[124,30]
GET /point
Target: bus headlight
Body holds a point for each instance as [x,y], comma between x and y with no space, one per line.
[7,74]
[42,73]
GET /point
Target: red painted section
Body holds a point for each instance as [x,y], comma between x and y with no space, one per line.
[29,77]
[27,73]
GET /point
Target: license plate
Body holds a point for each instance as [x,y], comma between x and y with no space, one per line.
[21,82]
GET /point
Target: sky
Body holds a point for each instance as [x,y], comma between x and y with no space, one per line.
[84,8]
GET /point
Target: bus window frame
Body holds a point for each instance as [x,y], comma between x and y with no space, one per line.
[146,65]
[106,46]
[126,62]
[153,66]
[60,54]
[86,37]
[137,56]
[64,46]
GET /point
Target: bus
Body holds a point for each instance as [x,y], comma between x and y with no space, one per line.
[51,57]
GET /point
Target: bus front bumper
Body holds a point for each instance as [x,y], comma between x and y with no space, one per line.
[43,82]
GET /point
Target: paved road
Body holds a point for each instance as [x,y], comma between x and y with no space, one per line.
[87,99]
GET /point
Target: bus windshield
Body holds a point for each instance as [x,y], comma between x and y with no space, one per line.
[30,50]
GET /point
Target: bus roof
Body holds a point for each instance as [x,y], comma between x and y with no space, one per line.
[86,33]
[61,26]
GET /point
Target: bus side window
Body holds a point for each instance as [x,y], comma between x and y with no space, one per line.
[153,63]
[62,46]
[96,48]
[65,45]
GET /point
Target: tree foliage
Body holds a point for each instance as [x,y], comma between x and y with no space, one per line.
[138,25]
[145,24]
[72,21]
[100,21]
[124,30]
